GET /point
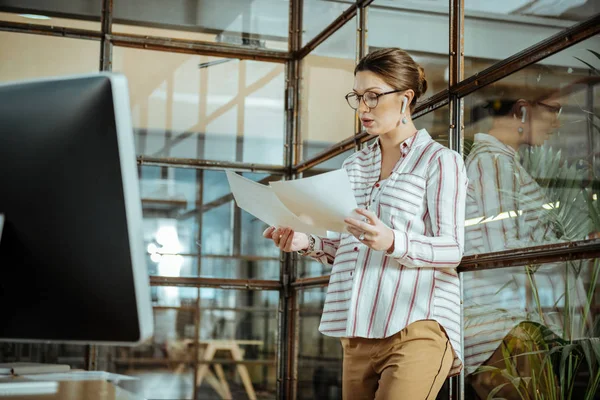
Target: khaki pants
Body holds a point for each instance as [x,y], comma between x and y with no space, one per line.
[412,364]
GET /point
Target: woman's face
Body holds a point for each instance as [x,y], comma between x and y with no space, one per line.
[386,115]
[544,121]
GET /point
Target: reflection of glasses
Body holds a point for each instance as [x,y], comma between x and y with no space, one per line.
[553,109]
[371,99]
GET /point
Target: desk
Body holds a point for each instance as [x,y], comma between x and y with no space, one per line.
[74,390]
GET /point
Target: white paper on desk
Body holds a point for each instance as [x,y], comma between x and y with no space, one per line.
[260,201]
[81,376]
[326,199]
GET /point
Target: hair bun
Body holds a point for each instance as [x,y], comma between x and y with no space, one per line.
[422,81]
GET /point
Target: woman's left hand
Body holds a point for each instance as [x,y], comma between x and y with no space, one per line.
[372,232]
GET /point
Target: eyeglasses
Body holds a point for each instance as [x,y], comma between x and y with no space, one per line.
[371,99]
[553,109]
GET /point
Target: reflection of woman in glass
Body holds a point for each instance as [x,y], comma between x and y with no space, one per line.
[508,209]
[393,295]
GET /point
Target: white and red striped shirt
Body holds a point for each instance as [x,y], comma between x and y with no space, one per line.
[372,294]
[505,210]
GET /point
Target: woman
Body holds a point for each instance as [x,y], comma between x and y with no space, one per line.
[393,295]
[507,209]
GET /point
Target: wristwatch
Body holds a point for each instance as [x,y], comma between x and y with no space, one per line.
[311,246]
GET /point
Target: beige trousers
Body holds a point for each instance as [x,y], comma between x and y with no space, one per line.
[412,364]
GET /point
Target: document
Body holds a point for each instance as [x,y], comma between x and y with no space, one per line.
[81,376]
[312,205]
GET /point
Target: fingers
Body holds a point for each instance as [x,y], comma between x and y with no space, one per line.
[369,214]
[276,236]
[283,238]
[267,234]
[354,231]
[285,234]
[366,237]
[360,225]
[287,240]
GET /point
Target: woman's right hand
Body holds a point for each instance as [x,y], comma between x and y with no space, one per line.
[286,239]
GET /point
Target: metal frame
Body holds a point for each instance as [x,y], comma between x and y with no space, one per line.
[288,321]
[105,43]
[288,286]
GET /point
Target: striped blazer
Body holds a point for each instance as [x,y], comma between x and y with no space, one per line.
[373,294]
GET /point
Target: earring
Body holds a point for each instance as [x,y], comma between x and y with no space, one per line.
[523,117]
[404,102]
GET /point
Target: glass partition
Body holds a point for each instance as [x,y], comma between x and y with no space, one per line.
[533,329]
[36,56]
[319,356]
[262,24]
[390,25]
[495,31]
[327,76]
[231,243]
[530,145]
[204,107]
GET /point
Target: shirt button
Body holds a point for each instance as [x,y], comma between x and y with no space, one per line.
[377,185]
[351,273]
[356,249]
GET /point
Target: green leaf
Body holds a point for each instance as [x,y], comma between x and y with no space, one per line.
[594,70]
[486,368]
[494,391]
[593,212]
[594,53]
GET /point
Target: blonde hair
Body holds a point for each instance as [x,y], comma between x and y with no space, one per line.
[397,68]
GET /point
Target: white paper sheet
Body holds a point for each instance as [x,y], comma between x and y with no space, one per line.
[311,205]
[81,376]
[260,201]
[325,199]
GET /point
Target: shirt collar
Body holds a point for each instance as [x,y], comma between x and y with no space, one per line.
[420,137]
[494,142]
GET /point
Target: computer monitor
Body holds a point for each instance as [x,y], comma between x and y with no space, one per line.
[72,258]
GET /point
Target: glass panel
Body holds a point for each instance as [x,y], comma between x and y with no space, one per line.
[329,165]
[327,76]
[497,30]
[162,367]
[388,27]
[532,174]
[205,107]
[234,325]
[319,356]
[536,325]
[437,124]
[221,217]
[173,296]
[162,383]
[45,20]
[318,14]
[171,215]
[309,268]
[37,56]
[161,32]
[258,24]
[242,325]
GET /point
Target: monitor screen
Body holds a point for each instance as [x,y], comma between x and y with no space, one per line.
[71,248]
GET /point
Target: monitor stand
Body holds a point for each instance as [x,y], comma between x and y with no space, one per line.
[1,224]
